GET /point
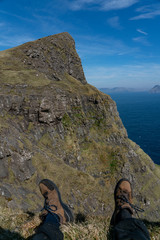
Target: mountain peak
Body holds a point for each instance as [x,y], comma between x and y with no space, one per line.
[53,56]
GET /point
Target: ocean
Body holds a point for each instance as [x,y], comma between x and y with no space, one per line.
[140,114]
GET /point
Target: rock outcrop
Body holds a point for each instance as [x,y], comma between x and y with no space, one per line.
[55,125]
[155,89]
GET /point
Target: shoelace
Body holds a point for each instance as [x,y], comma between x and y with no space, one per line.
[136,208]
[49,209]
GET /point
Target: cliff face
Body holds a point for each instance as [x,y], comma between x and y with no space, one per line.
[55,125]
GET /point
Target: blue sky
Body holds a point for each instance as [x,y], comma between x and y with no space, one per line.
[118,40]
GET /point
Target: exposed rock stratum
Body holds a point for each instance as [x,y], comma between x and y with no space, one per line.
[55,125]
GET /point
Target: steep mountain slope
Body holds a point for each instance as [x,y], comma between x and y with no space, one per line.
[55,125]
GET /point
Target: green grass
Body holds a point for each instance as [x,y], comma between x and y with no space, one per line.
[66,120]
[28,77]
[46,141]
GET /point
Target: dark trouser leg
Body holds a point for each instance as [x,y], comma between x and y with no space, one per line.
[123,214]
[49,229]
[40,236]
[127,227]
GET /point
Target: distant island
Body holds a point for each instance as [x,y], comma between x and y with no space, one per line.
[155,89]
[121,90]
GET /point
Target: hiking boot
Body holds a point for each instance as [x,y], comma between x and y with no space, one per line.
[53,203]
[123,198]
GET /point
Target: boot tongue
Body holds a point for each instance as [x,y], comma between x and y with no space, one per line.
[128,207]
[123,197]
[47,202]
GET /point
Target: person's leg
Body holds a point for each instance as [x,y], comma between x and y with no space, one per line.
[54,213]
[40,236]
[125,227]
[49,229]
[123,209]
[123,214]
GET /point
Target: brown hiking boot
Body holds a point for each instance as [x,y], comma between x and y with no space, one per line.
[53,202]
[123,198]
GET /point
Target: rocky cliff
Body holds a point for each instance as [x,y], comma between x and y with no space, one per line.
[55,125]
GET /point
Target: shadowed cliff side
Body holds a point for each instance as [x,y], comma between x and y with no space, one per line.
[55,125]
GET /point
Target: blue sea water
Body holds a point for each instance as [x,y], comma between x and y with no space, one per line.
[140,114]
